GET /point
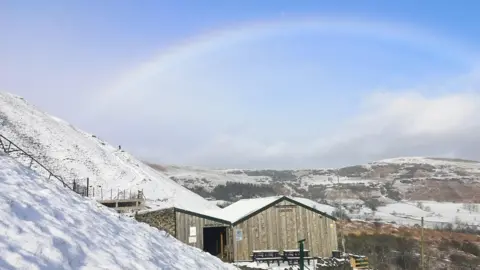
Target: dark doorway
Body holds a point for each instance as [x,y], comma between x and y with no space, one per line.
[214,240]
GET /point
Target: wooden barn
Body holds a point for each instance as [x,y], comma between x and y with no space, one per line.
[234,232]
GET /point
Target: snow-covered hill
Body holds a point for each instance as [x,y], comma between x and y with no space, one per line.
[43,226]
[75,154]
[413,178]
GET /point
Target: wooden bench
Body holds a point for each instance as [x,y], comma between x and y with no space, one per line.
[268,256]
[293,255]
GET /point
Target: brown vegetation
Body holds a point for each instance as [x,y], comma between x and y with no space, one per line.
[445,190]
[390,247]
[430,235]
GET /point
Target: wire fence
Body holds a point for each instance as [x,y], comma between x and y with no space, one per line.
[80,186]
[100,193]
[11,149]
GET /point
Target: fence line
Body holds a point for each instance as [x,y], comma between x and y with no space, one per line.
[84,189]
[100,193]
[7,145]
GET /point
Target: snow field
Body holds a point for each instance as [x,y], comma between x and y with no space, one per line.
[45,226]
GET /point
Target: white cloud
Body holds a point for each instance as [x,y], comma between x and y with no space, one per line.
[388,125]
[413,114]
[209,130]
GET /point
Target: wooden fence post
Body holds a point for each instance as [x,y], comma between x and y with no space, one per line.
[88,185]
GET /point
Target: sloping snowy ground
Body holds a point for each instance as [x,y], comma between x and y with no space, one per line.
[75,154]
[436,214]
[190,176]
[454,212]
[44,226]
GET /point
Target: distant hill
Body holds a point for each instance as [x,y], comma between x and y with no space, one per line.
[399,190]
[409,178]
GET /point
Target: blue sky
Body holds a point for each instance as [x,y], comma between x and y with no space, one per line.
[253,83]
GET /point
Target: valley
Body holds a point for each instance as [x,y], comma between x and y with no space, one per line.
[398,190]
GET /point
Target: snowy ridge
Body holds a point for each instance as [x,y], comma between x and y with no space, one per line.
[414,177]
[43,226]
[75,154]
[189,176]
[472,164]
[209,178]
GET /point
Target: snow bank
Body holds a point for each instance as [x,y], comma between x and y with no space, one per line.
[44,226]
[403,209]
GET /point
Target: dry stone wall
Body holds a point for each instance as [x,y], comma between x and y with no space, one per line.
[162,219]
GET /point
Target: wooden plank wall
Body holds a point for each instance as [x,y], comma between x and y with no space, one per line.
[281,226]
[185,221]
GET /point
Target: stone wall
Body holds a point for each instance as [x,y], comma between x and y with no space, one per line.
[162,219]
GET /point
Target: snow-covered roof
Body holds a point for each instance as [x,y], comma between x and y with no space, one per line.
[242,208]
[245,207]
[327,209]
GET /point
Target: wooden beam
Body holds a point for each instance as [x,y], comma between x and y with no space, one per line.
[221,245]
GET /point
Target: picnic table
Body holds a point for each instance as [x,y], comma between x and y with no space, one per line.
[267,256]
[293,255]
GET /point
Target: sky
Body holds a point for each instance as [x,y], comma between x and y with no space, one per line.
[253,84]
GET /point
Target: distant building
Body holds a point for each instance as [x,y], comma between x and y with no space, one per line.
[232,233]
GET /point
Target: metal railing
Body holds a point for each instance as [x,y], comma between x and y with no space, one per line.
[10,147]
[79,186]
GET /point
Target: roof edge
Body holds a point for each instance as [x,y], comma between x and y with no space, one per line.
[205,216]
[311,208]
[283,197]
[258,210]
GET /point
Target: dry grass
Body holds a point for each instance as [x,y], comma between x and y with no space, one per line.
[430,235]
[443,249]
[450,191]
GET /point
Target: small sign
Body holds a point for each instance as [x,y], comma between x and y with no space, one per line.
[193,231]
[239,235]
[192,239]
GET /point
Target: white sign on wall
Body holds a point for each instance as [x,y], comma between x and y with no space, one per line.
[193,231]
[239,234]
[192,239]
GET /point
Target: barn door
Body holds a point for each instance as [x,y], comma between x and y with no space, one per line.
[287,227]
[283,230]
